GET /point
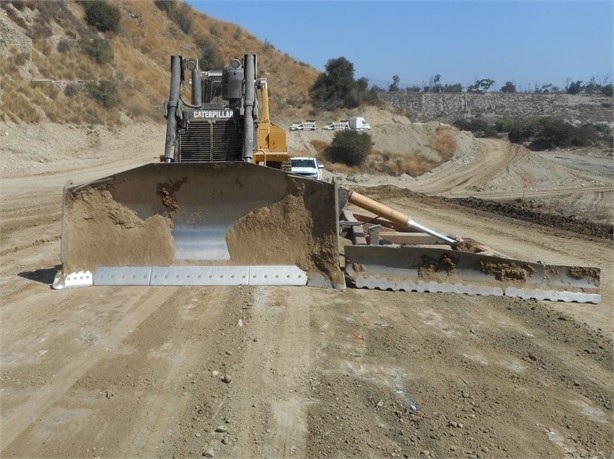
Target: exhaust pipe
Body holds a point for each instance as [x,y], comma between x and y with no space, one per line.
[250,96]
[171,108]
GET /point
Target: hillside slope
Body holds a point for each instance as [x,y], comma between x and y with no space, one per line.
[46,72]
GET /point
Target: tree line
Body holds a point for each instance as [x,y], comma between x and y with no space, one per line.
[485,84]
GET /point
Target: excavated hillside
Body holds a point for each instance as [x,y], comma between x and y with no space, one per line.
[46,70]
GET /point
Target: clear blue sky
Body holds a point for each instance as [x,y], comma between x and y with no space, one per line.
[526,42]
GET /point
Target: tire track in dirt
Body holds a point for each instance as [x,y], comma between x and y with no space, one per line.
[182,355]
[492,158]
[456,376]
[275,363]
[140,305]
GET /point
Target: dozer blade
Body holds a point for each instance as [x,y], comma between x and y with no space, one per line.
[448,271]
[200,224]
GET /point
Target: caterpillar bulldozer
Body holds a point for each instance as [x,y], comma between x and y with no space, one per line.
[222,208]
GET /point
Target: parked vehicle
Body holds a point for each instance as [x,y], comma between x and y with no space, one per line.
[337,125]
[307,166]
[358,123]
[308,125]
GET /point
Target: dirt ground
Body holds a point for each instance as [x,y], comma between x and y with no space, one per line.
[306,372]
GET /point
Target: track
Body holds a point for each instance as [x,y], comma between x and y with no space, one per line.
[130,371]
[491,159]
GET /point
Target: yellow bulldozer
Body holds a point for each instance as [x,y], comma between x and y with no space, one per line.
[222,208]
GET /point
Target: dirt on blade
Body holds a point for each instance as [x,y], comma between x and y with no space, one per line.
[121,237]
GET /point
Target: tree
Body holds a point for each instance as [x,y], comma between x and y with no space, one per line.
[592,87]
[457,87]
[574,87]
[543,89]
[437,86]
[509,88]
[336,87]
[362,84]
[394,87]
[481,86]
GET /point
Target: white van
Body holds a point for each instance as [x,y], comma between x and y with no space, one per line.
[358,123]
[307,166]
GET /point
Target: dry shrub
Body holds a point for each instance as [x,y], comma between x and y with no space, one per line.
[18,106]
[137,111]
[396,164]
[444,143]
[320,146]
[22,58]
[10,67]
[41,91]
[15,17]
[340,168]
[378,162]
[417,164]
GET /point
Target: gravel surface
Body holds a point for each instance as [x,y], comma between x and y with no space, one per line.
[299,372]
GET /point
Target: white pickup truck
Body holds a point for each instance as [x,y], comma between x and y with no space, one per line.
[307,166]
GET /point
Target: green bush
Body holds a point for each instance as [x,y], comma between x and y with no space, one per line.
[168,6]
[179,14]
[72,90]
[521,132]
[64,46]
[97,49]
[479,127]
[210,56]
[103,92]
[540,133]
[505,125]
[350,147]
[102,15]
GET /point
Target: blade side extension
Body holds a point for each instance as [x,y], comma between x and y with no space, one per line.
[439,270]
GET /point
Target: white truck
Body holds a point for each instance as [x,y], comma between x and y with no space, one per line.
[358,123]
[307,166]
[337,125]
[308,125]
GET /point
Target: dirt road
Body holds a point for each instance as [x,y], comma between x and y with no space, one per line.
[297,372]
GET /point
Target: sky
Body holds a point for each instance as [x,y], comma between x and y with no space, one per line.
[530,43]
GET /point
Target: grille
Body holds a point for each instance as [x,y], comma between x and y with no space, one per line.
[211,140]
